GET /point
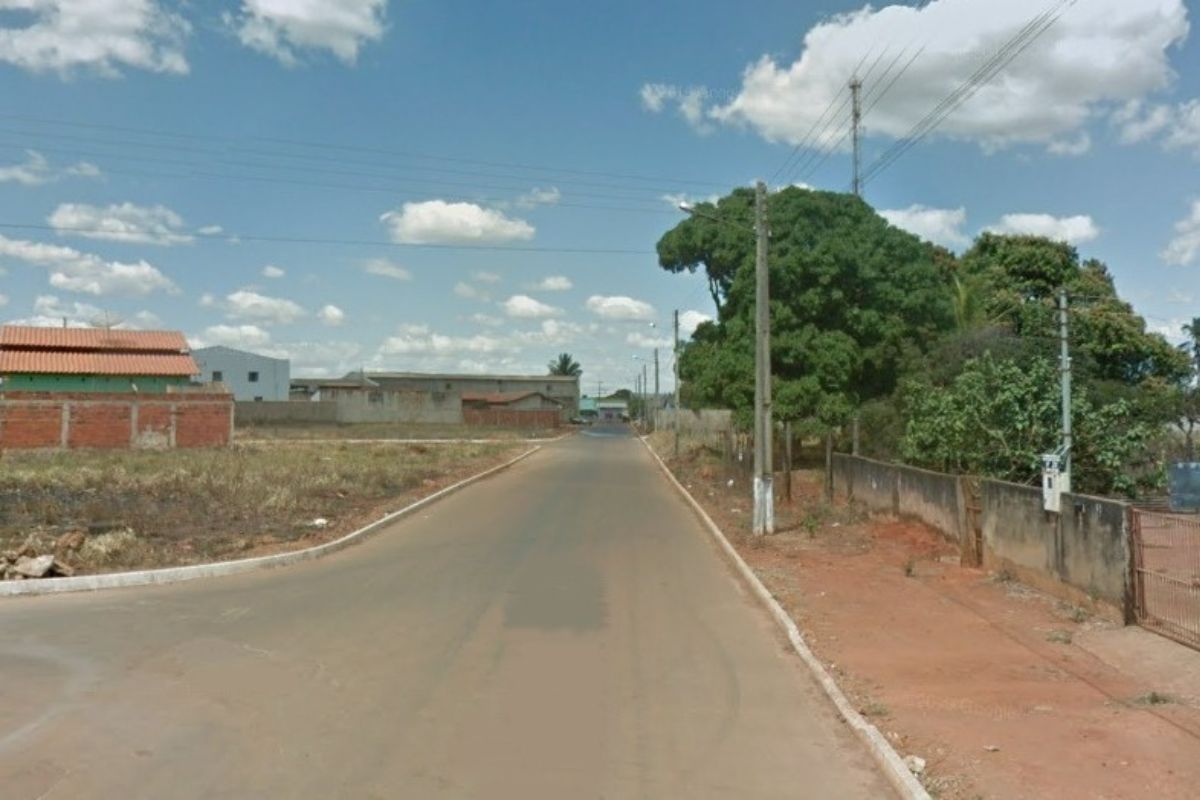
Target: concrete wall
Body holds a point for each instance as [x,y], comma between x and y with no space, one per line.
[1081,555]
[274,374]
[357,407]
[563,389]
[43,420]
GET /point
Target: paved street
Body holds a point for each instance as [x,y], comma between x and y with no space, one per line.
[562,630]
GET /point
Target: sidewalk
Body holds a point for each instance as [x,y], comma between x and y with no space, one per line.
[1003,691]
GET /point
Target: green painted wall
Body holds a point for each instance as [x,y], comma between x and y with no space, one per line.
[91,383]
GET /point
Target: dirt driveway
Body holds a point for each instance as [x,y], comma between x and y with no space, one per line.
[1005,692]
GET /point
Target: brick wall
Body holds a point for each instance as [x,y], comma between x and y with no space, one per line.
[506,418]
[30,420]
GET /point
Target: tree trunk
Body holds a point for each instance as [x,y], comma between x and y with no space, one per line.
[829,465]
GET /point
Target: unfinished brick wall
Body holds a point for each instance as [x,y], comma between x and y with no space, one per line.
[512,418]
[41,420]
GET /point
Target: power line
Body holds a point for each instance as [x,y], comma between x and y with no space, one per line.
[324,147]
[1024,38]
[234,238]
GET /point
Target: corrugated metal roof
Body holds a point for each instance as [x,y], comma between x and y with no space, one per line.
[43,362]
[91,339]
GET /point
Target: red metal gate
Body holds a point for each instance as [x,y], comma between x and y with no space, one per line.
[1166,554]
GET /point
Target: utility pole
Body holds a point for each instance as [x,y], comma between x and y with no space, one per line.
[855,132]
[1065,365]
[645,398]
[675,369]
[764,498]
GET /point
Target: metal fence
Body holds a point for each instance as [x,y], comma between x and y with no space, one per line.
[1166,552]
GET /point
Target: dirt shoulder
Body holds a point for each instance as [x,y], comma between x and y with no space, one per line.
[1005,692]
[111,511]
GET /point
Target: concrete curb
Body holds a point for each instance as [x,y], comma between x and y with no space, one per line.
[121,580]
[886,757]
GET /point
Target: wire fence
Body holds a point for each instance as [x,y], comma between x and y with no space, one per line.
[1167,574]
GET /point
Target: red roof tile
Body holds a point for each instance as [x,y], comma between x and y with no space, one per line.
[69,363]
[91,339]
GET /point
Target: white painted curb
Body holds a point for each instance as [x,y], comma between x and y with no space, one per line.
[120,580]
[881,750]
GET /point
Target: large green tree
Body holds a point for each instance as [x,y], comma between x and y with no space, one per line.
[851,297]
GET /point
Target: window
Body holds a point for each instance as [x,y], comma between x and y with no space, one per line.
[253,377]
[218,376]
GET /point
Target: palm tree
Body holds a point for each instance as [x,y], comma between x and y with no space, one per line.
[565,365]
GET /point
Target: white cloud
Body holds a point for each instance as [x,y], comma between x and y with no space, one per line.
[1181,298]
[35,170]
[1076,146]
[210,230]
[538,196]
[101,35]
[3,300]
[689,103]
[272,271]
[523,306]
[1175,127]
[1072,230]
[1098,53]
[50,311]
[552,283]
[942,226]
[646,342]
[331,315]
[469,292]
[427,343]
[440,222]
[486,319]
[690,320]
[146,320]
[621,309]
[387,269]
[281,28]
[237,336]
[207,300]
[1184,249]
[486,277]
[86,273]
[125,222]
[250,305]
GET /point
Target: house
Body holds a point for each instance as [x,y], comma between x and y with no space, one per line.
[249,376]
[511,401]
[564,389]
[612,410]
[325,389]
[90,360]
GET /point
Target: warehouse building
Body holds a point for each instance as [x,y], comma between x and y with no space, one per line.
[249,376]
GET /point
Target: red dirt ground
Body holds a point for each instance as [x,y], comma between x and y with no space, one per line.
[984,679]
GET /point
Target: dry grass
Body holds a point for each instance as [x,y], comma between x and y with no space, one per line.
[381,430]
[142,508]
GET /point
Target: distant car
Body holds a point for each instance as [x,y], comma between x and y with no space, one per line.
[577,421]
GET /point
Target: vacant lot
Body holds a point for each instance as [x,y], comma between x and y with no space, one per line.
[107,511]
[371,430]
[1003,691]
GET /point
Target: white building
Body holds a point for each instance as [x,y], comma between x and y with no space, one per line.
[248,375]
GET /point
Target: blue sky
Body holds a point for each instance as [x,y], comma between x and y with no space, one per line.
[409,184]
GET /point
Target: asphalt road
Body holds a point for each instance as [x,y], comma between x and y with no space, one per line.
[562,630]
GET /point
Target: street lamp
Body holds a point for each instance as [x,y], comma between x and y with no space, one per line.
[764,498]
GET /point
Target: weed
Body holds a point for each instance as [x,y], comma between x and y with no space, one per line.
[910,568]
[1153,699]
[811,524]
[1003,576]
[875,709]
[1059,636]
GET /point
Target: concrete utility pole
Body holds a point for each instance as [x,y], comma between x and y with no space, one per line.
[764,497]
[656,377]
[1065,365]
[855,132]
[645,398]
[675,369]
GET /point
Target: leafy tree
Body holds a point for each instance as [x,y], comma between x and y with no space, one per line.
[851,298]
[997,418]
[565,365]
[1187,407]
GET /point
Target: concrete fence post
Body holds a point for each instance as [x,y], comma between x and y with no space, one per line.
[65,436]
